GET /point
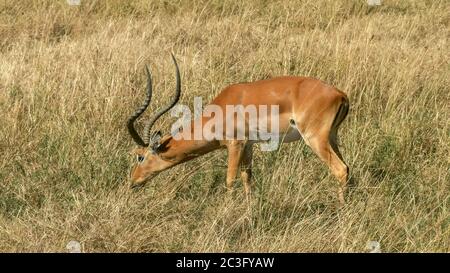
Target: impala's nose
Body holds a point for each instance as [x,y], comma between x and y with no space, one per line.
[136,183]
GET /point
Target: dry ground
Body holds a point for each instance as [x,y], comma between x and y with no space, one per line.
[71,75]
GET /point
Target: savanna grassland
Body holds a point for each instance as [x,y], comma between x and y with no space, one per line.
[70,76]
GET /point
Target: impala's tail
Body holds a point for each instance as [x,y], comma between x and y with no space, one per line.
[341,113]
[338,119]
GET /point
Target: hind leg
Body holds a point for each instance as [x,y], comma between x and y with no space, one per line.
[325,146]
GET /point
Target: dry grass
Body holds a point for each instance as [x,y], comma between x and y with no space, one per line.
[70,76]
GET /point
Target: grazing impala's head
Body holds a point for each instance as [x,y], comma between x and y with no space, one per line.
[148,160]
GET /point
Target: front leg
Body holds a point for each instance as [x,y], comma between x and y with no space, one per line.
[246,169]
[235,152]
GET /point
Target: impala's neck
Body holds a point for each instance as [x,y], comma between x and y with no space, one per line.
[179,151]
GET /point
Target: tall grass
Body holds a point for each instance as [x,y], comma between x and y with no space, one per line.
[71,75]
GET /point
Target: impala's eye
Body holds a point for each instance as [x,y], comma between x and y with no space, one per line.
[140,158]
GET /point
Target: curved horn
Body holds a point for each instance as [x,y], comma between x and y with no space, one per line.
[130,124]
[161,112]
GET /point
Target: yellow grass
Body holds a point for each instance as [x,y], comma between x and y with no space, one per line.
[70,77]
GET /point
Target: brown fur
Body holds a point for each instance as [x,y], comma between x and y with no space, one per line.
[316,108]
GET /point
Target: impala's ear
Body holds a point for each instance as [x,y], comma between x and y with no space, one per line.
[156,137]
[154,141]
[163,143]
[158,143]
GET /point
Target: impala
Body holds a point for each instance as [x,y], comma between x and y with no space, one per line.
[309,109]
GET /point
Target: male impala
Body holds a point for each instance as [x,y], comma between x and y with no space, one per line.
[308,109]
